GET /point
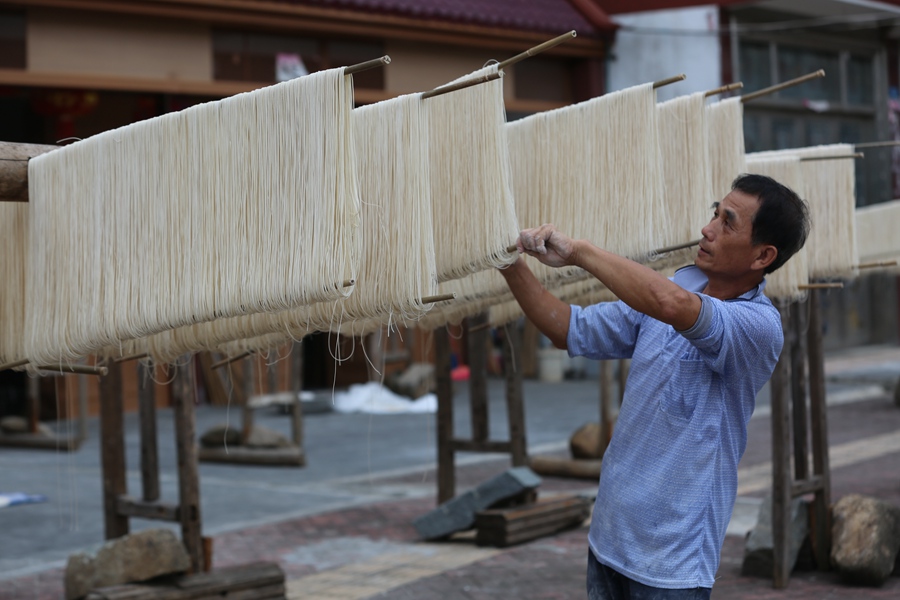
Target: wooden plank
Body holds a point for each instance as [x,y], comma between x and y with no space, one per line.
[806,486]
[799,419]
[781,458]
[446,476]
[243,576]
[511,526]
[188,477]
[515,404]
[149,452]
[566,467]
[142,509]
[112,451]
[476,337]
[291,456]
[821,521]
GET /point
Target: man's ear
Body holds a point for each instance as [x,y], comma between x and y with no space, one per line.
[765,256]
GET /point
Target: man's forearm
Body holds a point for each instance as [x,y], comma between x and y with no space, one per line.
[548,313]
[640,287]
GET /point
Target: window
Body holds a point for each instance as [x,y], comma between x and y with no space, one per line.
[12,40]
[267,58]
[794,62]
[756,68]
[860,81]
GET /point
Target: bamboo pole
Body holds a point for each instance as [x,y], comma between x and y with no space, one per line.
[782,85]
[460,85]
[725,88]
[513,247]
[877,144]
[369,64]
[349,282]
[832,157]
[80,369]
[537,49]
[122,359]
[877,264]
[14,364]
[670,80]
[231,359]
[14,159]
[438,298]
[820,286]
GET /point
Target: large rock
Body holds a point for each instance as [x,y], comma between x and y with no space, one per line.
[263,437]
[414,382]
[758,548]
[458,514]
[585,442]
[865,539]
[135,557]
[222,435]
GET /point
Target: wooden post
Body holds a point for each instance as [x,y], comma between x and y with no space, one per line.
[515,406]
[247,416]
[798,390]
[188,477]
[34,403]
[821,521]
[476,335]
[297,386]
[446,479]
[780,384]
[82,408]
[112,452]
[149,454]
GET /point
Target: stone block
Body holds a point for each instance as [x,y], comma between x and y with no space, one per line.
[414,382]
[263,437]
[865,539]
[585,442]
[220,436]
[458,514]
[135,557]
[758,548]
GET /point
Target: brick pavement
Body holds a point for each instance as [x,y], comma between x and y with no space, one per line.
[372,551]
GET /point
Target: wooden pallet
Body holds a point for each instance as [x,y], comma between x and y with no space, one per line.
[507,526]
[255,581]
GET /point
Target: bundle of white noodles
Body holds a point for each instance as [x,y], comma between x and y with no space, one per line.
[13,233]
[193,216]
[474,212]
[784,283]
[877,228]
[831,195]
[726,144]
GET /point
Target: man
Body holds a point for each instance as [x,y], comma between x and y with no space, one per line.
[702,345]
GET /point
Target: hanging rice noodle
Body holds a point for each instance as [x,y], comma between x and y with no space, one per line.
[784,283]
[471,193]
[831,195]
[193,216]
[726,144]
[877,228]
[684,146]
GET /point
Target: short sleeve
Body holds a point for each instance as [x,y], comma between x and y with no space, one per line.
[603,331]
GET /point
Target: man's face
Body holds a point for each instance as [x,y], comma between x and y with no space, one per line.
[726,249]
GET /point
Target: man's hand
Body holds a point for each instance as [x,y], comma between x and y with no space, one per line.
[548,245]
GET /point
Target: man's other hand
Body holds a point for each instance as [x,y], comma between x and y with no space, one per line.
[548,245]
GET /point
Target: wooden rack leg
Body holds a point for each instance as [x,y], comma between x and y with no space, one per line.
[798,391]
[247,412]
[821,522]
[188,477]
[446,478]
[515,406]
[297,385]
[112,451]
[82,408]
[34,404]
[149,454]
[478,389]
[781,459]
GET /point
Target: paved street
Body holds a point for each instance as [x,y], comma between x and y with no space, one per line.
[341,527]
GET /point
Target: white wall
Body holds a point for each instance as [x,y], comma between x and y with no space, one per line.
[639,57]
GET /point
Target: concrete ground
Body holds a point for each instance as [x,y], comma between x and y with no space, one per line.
[341,527]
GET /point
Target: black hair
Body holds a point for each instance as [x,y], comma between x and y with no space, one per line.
[782,218]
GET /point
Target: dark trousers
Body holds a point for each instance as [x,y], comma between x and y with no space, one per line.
[604,583]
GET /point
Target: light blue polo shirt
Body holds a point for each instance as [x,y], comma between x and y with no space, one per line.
[669,477]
